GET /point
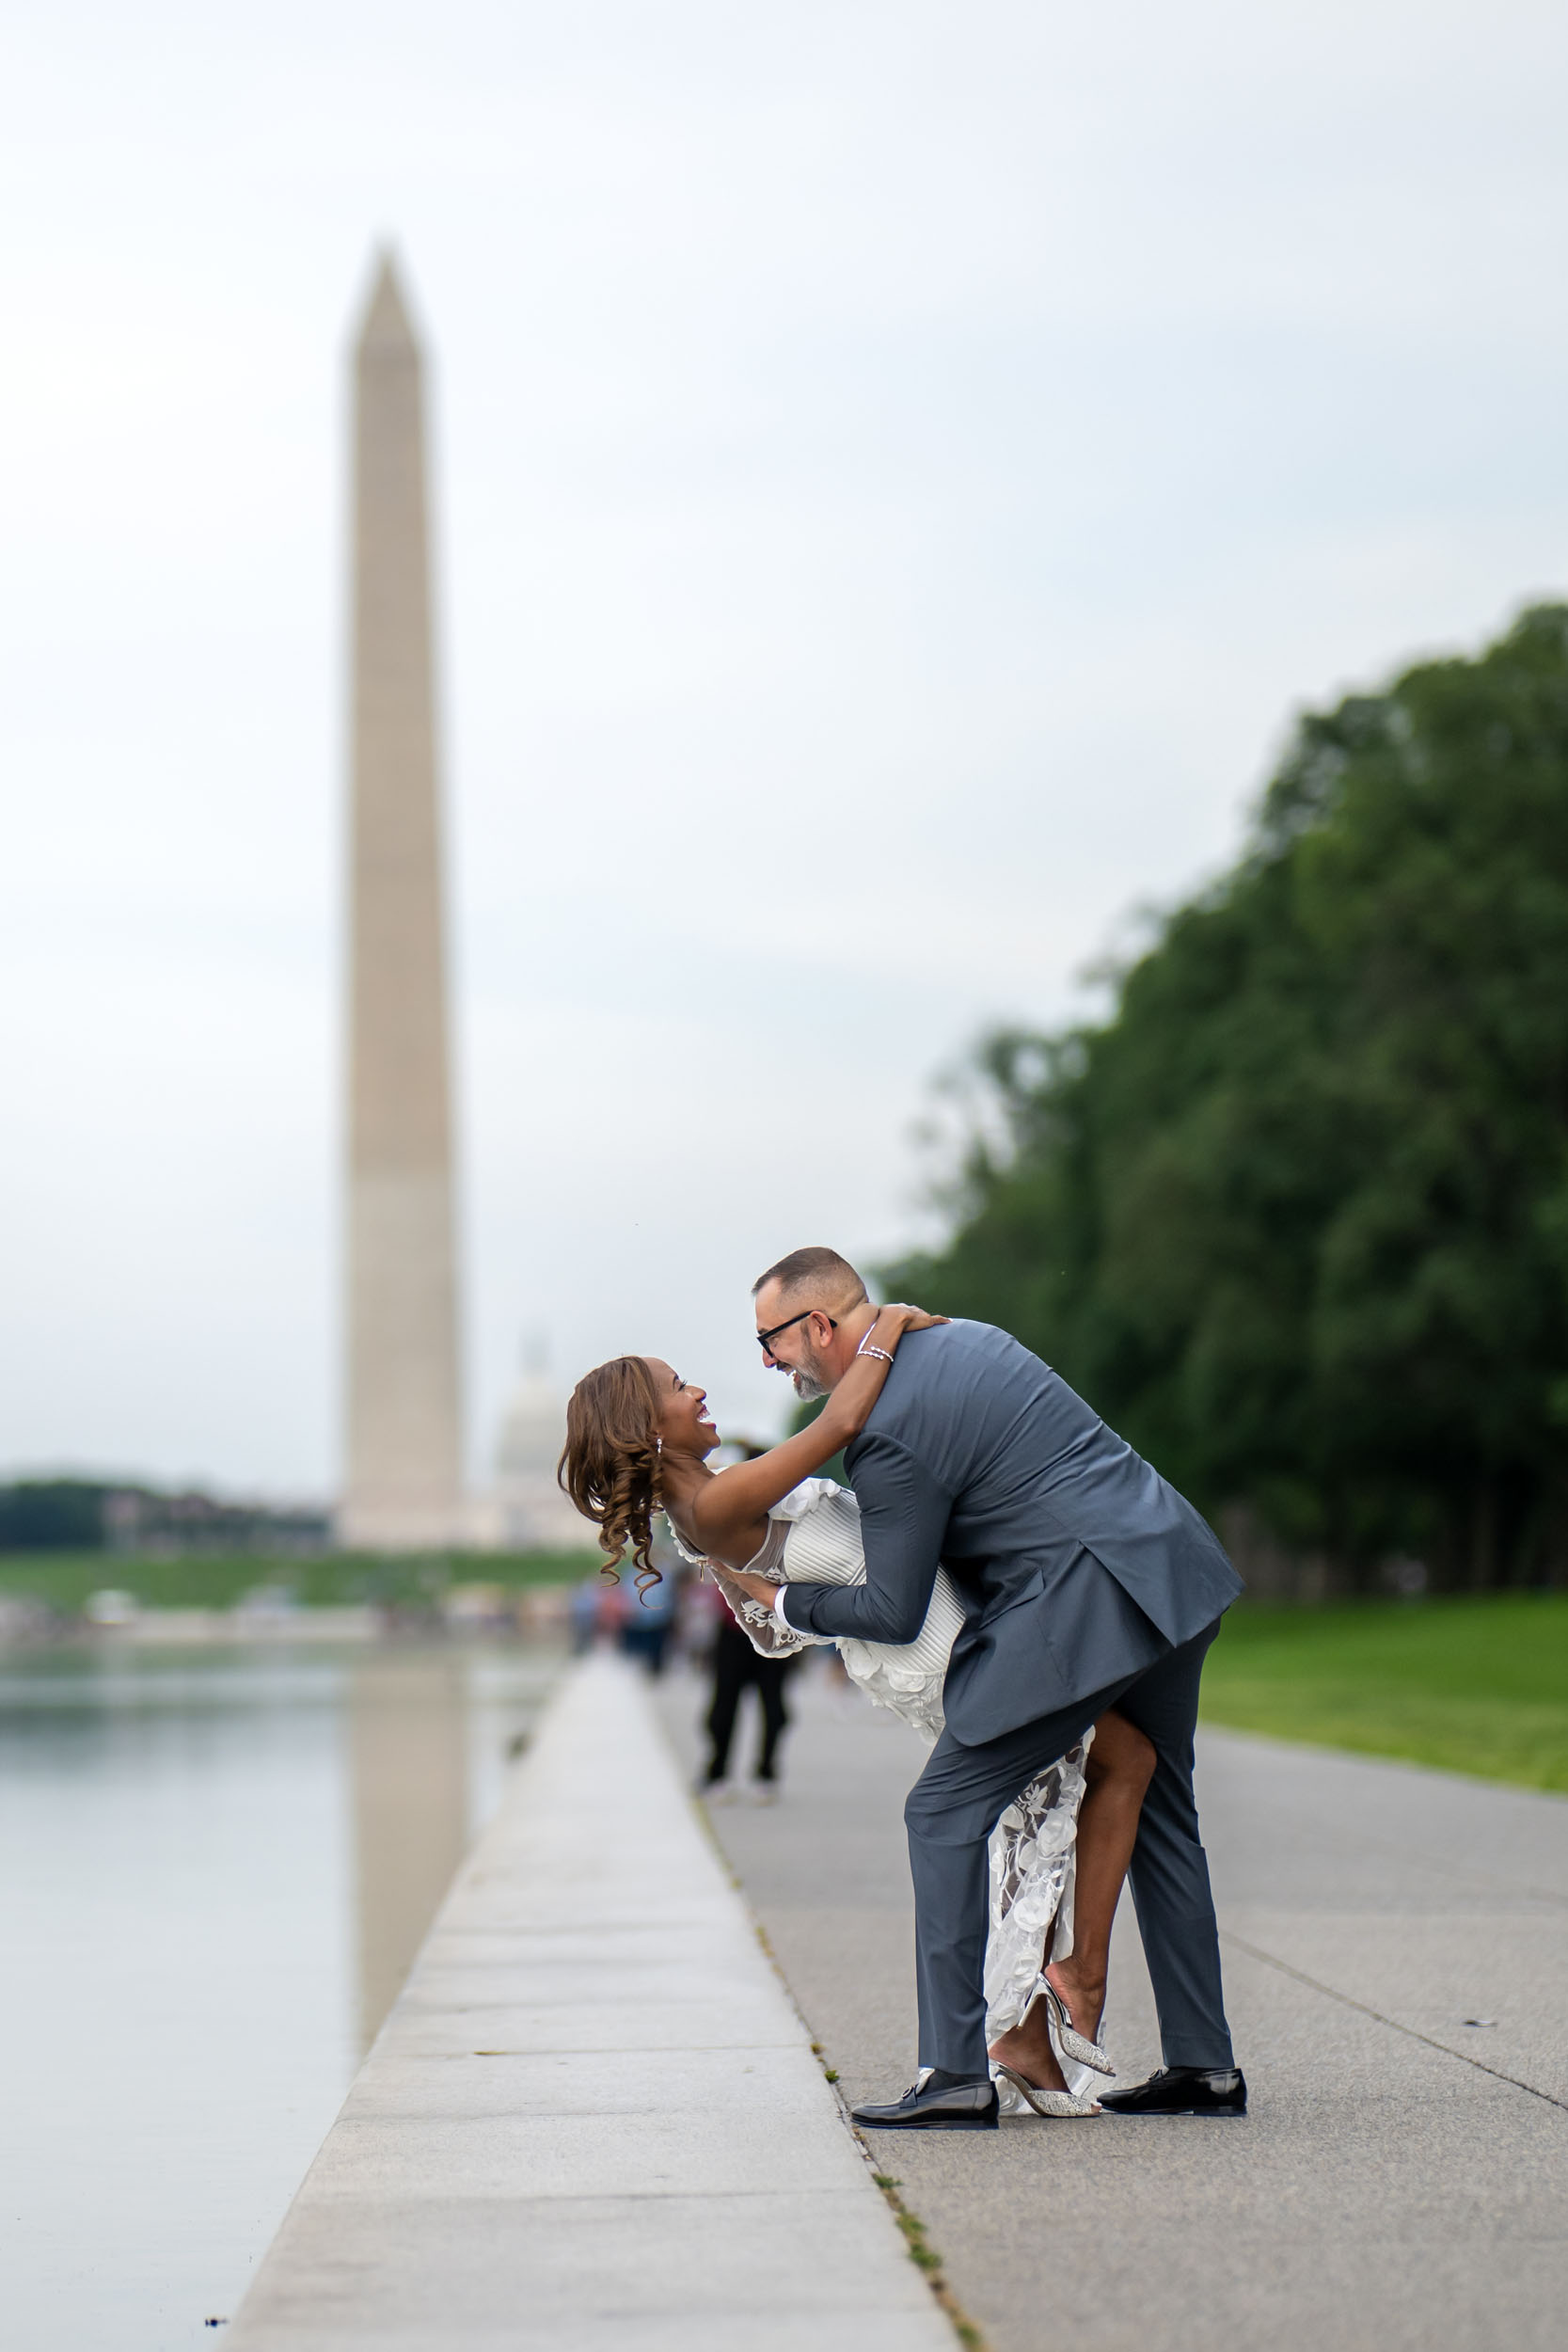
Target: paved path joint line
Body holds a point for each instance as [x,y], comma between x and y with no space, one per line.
[1332,1992]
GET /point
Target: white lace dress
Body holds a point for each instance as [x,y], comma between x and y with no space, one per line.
[815,1538]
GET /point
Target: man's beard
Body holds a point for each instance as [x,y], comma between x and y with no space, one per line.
[808,1378]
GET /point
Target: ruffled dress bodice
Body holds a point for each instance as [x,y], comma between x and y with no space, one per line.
[822,1546]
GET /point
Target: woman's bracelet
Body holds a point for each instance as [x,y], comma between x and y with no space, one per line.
[865,1348]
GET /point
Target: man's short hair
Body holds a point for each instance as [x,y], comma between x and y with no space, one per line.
[833,1279]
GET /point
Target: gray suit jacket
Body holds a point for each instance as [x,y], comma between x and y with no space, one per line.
[1077,1564]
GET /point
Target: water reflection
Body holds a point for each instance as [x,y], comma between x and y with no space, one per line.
[215,1869]
[408,1743]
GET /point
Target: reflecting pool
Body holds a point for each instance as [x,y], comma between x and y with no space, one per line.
[215,1868]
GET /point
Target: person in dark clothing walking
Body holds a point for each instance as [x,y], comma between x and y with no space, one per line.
[736,1667]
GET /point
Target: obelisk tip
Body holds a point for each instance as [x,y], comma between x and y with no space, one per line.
[386,325]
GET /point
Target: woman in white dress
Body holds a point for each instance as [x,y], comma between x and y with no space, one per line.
[638,1439]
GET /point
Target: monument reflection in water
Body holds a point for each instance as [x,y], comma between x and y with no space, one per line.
[216,1867]
[408,1744]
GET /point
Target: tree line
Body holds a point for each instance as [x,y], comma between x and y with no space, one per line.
[1294,1216]
[92,1515]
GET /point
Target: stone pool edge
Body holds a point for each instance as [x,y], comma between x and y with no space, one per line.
[593,2113]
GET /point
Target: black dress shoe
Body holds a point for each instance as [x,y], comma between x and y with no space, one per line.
[1183,2091]
[942,2102]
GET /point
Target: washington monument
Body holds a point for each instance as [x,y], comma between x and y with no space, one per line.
[404,1484]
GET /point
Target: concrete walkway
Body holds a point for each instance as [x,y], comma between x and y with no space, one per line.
[593,2118]
[1401,2184]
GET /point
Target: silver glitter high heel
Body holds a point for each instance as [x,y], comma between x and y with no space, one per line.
[1073,2043]
[1056,2104]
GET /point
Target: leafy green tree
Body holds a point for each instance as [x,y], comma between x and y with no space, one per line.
[52,1515]
[1295,1217]
[800,1417]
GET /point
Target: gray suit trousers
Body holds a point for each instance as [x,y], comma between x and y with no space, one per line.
[956,1804]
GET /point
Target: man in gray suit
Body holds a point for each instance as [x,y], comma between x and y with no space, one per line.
[1087,1581]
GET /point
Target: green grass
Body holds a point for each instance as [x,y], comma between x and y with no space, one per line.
[1477,1686]
[336,1579]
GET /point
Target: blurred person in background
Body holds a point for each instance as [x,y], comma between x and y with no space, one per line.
[585,1615]
[737,1665]
[646,1623]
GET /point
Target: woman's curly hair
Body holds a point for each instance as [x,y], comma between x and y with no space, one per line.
[609,1463]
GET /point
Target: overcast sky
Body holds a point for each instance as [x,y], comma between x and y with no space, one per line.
[897,469]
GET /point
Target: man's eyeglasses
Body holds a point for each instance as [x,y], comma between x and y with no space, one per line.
[765,1339]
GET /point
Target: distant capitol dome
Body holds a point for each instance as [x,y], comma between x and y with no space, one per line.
[531,1513]
[533,1429]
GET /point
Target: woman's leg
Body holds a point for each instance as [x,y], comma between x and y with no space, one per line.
[1120,1764]
[1119,1768]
